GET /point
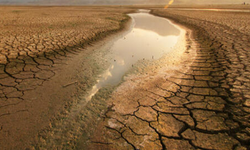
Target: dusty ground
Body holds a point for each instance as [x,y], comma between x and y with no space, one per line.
[38,63]
[27,31]
[201,102]
[211,6]
[204,107]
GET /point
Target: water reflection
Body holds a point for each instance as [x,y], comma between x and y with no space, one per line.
[155,24]
[150,38]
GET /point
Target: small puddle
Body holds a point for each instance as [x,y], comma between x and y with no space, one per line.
[150,38]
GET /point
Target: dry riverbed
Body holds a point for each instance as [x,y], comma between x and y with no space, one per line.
[196,98]
[201,103]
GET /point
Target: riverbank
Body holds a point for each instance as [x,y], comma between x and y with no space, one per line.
[42,57]
[217,83]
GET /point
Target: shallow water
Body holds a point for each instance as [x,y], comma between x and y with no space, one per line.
[150,38]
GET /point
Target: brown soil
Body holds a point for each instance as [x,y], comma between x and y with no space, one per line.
[203,104]
[200,102]
[42,53]
[213,6]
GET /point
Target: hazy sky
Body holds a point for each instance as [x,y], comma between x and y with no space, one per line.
[82,2]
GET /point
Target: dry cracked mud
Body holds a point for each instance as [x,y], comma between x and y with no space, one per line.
[35,44]
[206,107]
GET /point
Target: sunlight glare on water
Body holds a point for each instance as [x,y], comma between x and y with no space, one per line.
[150,38]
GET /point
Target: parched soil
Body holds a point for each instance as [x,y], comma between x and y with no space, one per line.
[29,31]
[205,107]
[222,68]
[41,51]
[202,102]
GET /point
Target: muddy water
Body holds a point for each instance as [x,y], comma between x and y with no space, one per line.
[150,38]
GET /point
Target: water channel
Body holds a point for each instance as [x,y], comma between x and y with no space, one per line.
[149,39]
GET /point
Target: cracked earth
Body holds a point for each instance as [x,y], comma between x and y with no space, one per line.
[202,104]
[36,45]
[205,107]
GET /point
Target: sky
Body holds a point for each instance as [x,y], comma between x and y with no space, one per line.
[120,2]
